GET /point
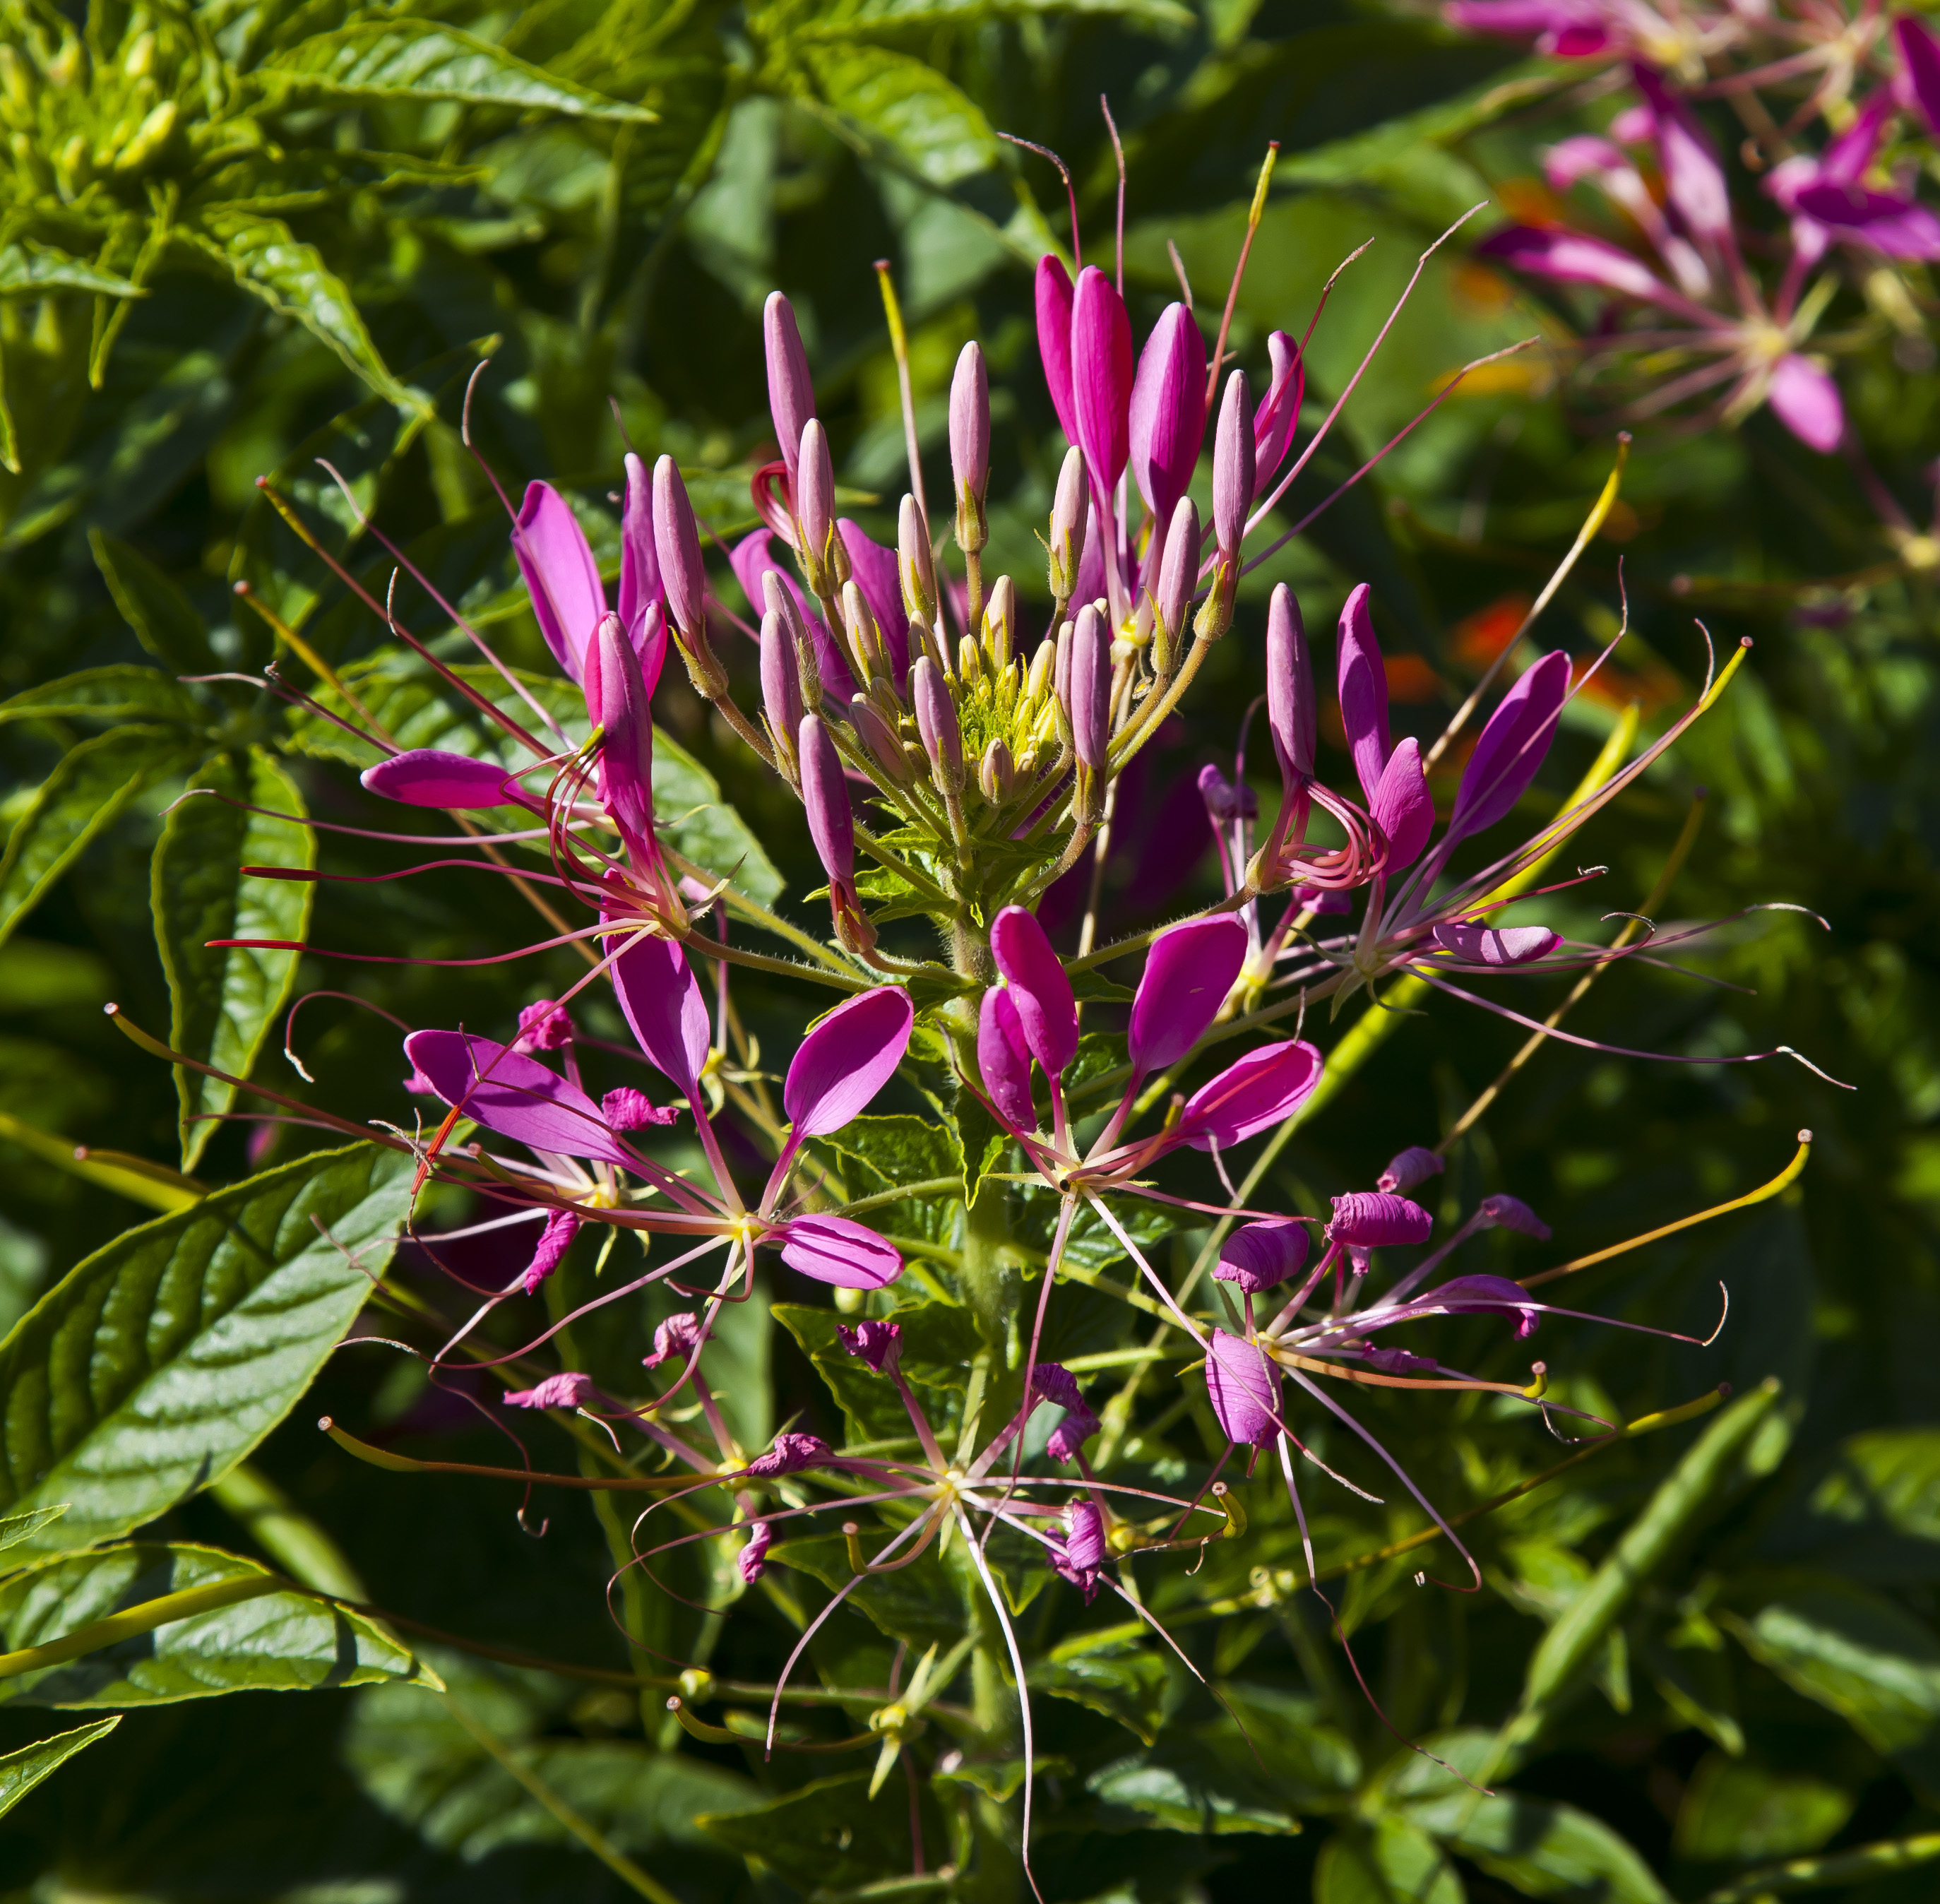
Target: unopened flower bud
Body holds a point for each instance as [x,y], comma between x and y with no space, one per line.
[1291,712]
[996,773]
[1233,463]
[969,659]
[814,511]
[865,640]
[825,794]
[778,601]
[1090,708]
[1000,619]
[1043,665]
[791,393]
[1179,570]
[936,721]
[677,543]
[1070,508]
[781,688]
[970,446]
[916,561]
[880,736]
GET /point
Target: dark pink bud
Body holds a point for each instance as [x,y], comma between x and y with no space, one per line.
[1364,691]
[1279,413]
[879,1344]
[561,575]
[874,731]
[1291,712]
[1090,705]
[1167,421]
[1512,1213]
[1409,1168]
[970,425]
[790,1455]
[1488,1295]
[1232,467]
[1497,945]
[544,1026]
[1258,1256]
[752,1561]
[428,776]
[1054,297]
[1243,1387]
[1402,806]
[1101,376]
[815,506]
[1262,1090]
[1046,1009]
[781,682]
[567,1389]
[1512,748]
[846,1060]
[791,391]
[936,722]
[1375,1219]
[1188,972]
[677,541]
[627,716]
[639,556]
[825,794]
[555,1240]
[628,1109]
[1226,801]
[1004,1058]
[675,1340]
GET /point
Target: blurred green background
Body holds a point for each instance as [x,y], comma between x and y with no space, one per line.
[1778,1690]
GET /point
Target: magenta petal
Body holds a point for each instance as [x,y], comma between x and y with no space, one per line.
[1188,972]
[1243,1387]
[1572,258]
[1101,376]
[639,560]
[1364,691]
[836,1250]
[876,575]
[1693,179]
[428,776]
[567,1389]
[1805,399]
[751,559]
[1167,421]
[1279,412]
[626,751]
[1919,56]
[1046,1009]
[1375,1219]
[1053,339]
[561,576]
[1257,1256]
[1491,945]
[513,1094]
[1402,806]
[1004,1058]
[1571,29]
[664,1005]
[1495,1296]
[1890,223]
[1263,1089]
[1512,748]
[1413,1166]
[846,1060]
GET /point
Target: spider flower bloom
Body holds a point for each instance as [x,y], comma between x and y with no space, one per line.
[1167,418]
[1257,1257]
[791,390]
[1243,1387]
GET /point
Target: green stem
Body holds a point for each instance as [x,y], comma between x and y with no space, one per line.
[144,1618]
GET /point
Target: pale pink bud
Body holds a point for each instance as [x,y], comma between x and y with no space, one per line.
[876,733]
[1233,467]
[1178,574]
[815,508]
[970,442]
[1291,712]
[1089,706]
[1069,509]
[781,686]
[915,562]
[677,542]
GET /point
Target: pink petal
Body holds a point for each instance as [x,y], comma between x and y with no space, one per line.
[1402,806]
[1493,945]
[428,776]
[1046,1010]
[1263,1089]
[561,576]
[1188,972]
[1487,1296]
[1167,421]
[1243,1387]
[1572,258]
[1004,1058]
[1364,691]
[1512,748]
[1572,29]
[1258,1256]
[837,1250]
[751,559]
[1570,160]
[1806,401]
[567,1389]
[1376,1219]
[1101,376]
[1919,59]
[1895,226]
[663,1004]
[1053,339]
[846,1060]
[875,576]
[513,1094]
[1279,413]
[627,753]
[639,560]
[1693,179]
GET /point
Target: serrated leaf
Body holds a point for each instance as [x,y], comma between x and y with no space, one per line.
[1543,1849]
[1117,1671]
[226,999]
[163,619]
[905,104]
[275,1642]
[424,61]
[30,271]
[121,693]
[20,1771]
[86,792]
[155,1366]
[17,1528]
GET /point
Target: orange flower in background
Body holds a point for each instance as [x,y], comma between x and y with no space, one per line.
[1477,639]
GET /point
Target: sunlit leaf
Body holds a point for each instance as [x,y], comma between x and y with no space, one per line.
[160,614]
[20,1771]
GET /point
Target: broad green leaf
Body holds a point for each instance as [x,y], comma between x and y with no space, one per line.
[270,262]
[939,1342]
[17,1528]
[226,999]
[905,104]
[275,1642]
[20,1771]
[874,1154]
[86,792]
[1182,1790]
[1118,1671]
[120,693]
[1858,1653]
[1738,1808]
[423,61]
[161,1361]
[30,271]
[698,824]
[1874,1515]
[160,614]
[1388,1862]
[1309,1759]
[828,1836]
[1543,1849]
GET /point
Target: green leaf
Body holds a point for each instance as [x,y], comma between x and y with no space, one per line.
[270,262]
[1874,1515]
[1543,1850]
[1737,1808]
[1388,1862]
[921,1604]
[121,693]
[939,1342]
[30,270]
[273,1642]
[20,1771]
[86,793]
[691,816]
[227,998]
[161,615]
[1182,1790]
[17,1528]
[1857,1653]
[1118,1671]
[875,1154]
[155,1366]
[904,104]
[424,61]
[826,1837]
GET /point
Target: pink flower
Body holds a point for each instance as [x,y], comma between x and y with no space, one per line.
[555,1240]
[1243,1387]
[567,1389]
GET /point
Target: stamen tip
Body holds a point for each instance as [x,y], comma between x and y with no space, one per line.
[324,1422]
[111,1009]
[1805,1136]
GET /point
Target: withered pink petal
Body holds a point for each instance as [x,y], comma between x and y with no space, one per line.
[1257,1256]
[840,1252]
[561,575]
[1413,1166]
[1243,1387]
[514,1095]
[1374,1219]
[1487,1295]
[567,1389]
[1498,945]
[846,1059]
[1188,972]
[1046,1010]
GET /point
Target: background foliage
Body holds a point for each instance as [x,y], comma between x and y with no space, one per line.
[341,209]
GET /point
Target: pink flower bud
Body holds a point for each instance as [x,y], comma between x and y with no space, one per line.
[1178,575]
[1167,420]
[1089,706]
[677,542]
[825,794]
[1069,509]
[626,720]
[916,561]
[791,392]
[936,722]
[1409,1168]
[879,1344]
[1232,467]
[1512,1213]
[1101,376]
[1258,1256]
[781,688]
[639,558]
[1291,712]
[815,508]
[1243,1387]
[875,733]
[970,428]
[1278,413]
[779,598]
